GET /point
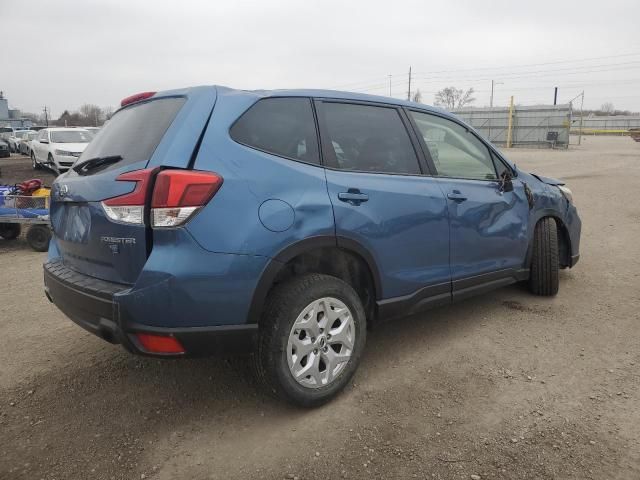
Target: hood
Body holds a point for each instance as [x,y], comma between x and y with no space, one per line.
[71,147]
[548,180]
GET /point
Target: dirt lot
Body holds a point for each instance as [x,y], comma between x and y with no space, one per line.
[503,386]
[18,168]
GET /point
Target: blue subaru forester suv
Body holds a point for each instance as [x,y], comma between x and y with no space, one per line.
[286,222]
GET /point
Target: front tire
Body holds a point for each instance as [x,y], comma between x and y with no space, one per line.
[312,335]
[34,162]
[544,275]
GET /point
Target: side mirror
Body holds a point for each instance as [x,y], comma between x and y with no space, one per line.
[506,182]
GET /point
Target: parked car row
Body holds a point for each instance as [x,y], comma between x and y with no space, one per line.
[4,149]
[56,148]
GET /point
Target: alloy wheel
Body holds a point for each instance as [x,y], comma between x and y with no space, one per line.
[321,342]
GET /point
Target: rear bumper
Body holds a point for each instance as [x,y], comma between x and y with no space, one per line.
[93,305]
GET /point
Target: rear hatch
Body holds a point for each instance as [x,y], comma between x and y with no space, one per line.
[160,131]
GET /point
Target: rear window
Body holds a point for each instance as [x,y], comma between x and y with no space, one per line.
[134,132]
[282,126]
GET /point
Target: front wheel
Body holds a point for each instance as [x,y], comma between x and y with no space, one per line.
[544,276]
[34,162]
[312,335]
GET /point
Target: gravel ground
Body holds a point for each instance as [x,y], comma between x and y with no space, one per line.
[18,168]
[506,385]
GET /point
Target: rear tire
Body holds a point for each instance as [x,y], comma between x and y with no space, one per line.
[9,231]
[544,275]
[293,312]
[38,237]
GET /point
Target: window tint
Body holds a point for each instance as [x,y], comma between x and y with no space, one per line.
[370,139]
[134,132]
[455,151]
[282,126]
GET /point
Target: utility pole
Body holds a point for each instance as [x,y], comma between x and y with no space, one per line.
[581,117]
[389,85]
[491,100]
[409,91]
[555,96]
[46,116]
[493,84]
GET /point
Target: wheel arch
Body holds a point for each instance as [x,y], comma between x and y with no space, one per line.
[278,267]
[564,239]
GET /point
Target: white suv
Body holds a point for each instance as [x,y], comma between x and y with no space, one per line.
[58,148]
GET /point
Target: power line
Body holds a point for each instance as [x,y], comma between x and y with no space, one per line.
[572,69]
[537,64]
[375,81]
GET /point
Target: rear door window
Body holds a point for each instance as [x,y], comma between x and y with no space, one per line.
[281,126]
[134,132]
[368,138]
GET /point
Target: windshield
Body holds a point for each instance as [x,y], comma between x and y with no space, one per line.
[32,135]
[71,136]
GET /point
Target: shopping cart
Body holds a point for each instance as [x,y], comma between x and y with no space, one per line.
[30,211]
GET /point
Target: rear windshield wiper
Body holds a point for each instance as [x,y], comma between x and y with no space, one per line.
[93,163]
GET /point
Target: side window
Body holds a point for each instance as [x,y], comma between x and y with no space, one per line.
[369,139]
[501,168]
[455,151]
[282,126]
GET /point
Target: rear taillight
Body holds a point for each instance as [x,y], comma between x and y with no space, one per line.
[177,196]
[129,208]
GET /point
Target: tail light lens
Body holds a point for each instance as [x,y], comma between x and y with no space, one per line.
[129,208]
[179,194]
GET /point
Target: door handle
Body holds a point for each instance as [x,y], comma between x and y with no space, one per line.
[353,196]
[456,196]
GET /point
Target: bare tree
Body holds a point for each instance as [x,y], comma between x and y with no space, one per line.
[35,118]
[417,97]
[607,108]
[91,115]
[451,98]
[108,113]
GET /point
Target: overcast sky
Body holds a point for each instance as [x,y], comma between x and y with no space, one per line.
[63,53]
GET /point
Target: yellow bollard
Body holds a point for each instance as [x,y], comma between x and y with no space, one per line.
[510,127]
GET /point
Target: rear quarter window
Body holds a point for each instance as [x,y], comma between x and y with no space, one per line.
[281,126]
[135,131]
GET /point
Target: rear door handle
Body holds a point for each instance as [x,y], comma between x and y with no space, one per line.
[353,196]
[456,196]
